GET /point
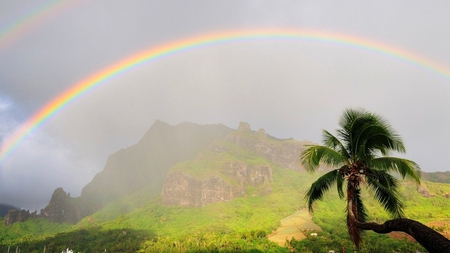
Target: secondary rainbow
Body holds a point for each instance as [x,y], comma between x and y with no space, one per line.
[33,19]
[207,40]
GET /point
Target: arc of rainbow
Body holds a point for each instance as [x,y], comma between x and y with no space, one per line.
[154,53]
[33,19]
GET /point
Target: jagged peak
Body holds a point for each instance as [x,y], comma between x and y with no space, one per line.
[159,123]
[262,133]
[244,127]
[58,195]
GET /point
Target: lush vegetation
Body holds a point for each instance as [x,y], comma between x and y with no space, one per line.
[136,224]
[31,230]
[240,225]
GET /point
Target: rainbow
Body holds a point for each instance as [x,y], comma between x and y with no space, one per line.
[33,19]
[211,39]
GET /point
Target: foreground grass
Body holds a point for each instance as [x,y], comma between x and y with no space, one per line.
[239,225]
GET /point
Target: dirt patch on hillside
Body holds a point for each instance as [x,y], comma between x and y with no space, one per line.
[401,236]
[294,226]
[442,227]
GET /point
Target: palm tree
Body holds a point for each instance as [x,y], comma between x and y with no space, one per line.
[359,156]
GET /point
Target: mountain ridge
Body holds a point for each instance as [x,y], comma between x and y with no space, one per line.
[145,165]
[132,168]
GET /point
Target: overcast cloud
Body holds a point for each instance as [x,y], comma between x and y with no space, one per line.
[291,89]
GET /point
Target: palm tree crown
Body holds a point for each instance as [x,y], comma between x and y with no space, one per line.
[359,155]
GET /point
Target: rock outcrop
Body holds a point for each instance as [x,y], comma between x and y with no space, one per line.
[15,215]
[183,190]
[230,181]
[423,190]
[248,175]
[234,177]
[61,208]
[284,153]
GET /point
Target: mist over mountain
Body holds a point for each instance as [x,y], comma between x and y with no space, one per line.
[211,179]
[187,164]
[144,164]
[438,176]
[147,162]
[144,167]
[4,208]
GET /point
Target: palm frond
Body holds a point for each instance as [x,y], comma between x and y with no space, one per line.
[405,167]
[364,134]
[378,137]
[385,188]
[349,117]
[333,142]
[316,154]
[319,187]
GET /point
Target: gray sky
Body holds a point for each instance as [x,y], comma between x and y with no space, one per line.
[291,89]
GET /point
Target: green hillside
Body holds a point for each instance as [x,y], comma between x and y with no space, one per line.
[140,222]
[147,162]
[241,224]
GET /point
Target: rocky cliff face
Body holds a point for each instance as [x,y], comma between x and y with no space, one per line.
[231,181]
[248,175]
[15,215]
[183,190]
[284,153]
[233,178]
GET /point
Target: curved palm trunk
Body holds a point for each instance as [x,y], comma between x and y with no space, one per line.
[427,237]
[353,182]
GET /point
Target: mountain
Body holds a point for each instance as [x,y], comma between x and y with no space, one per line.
[147,162]
[143,165]
[194,187]
[229,168]
[188,165]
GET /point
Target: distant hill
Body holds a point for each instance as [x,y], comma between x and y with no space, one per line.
[438,177]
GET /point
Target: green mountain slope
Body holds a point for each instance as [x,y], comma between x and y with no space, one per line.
[147,162]
[204,219]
